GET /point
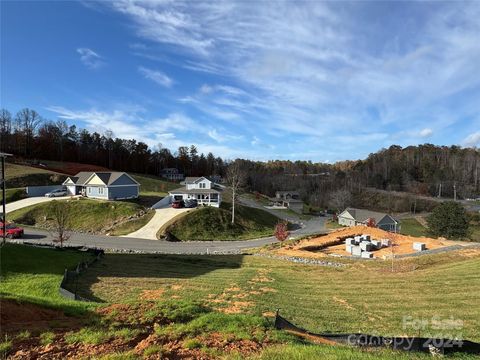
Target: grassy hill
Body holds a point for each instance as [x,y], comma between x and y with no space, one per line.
[18,176]
[211,223]
[95,216]
[153,185]
[222,304]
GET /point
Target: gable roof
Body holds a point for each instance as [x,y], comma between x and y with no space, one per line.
[195,179]
[107,177]
[362,215]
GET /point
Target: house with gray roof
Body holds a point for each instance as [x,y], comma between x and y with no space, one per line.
[353,217]
[107,185]
[204,190]
[289,200]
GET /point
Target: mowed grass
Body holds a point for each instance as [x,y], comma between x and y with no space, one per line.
[363,297]
[84,214]
[211,223]
[15,171]
[20,176]
[33,275]
[154,186]
[412,227]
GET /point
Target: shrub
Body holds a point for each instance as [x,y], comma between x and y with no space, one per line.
[281,231]
[448,219]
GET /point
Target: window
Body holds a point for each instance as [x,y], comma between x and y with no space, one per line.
[100,191]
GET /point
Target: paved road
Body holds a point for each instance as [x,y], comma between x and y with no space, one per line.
[30,201]
[306,227]
[128,243]
[148,246]
[161,217]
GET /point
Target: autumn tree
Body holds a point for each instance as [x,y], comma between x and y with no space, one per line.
[281,231]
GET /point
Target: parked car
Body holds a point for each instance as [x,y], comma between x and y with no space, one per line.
[12,231]
[56,193]
[178,204]
[191,203]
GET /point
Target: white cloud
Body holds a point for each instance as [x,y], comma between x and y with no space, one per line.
[425,132]
[156,76]
[472,140]
[90,58]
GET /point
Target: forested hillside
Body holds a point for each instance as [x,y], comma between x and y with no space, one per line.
[424,169]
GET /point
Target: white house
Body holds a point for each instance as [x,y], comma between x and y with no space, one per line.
[171,174]
[205,191]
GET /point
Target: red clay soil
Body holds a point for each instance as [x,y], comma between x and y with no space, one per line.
[16,316]
[72,168]
[333,243]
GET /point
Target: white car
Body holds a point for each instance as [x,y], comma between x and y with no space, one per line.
[56,193]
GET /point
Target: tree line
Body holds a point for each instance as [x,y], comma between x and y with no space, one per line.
[30,136]
[424,169]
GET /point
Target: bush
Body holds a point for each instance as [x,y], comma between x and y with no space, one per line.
[449,220]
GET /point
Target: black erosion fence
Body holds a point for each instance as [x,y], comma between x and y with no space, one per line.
[429,345]
[69,285]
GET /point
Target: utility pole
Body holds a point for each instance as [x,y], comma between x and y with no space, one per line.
[439,190]
[4,197]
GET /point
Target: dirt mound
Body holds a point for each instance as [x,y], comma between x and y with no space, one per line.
[333,244]
[15,316]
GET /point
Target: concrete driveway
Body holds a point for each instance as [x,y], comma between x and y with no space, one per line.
[19,204]
[161,217]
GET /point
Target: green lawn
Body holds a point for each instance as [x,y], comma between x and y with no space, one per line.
[33,275]
[187,297]
[333,225]
[85,215]
[321,299]
[412,227]
[20,176]
[211,223]
[153,185]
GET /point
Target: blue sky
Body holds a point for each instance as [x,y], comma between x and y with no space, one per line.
[321,81]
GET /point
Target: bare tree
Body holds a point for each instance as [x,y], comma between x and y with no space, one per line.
[27,122]
[340,199]
[236,178]
[61,216]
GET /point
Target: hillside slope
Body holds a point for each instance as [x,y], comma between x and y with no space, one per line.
[211,223]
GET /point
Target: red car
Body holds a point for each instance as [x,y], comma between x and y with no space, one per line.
[178,204]
[13,231]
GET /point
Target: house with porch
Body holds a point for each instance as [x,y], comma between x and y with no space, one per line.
[111,185]
[171,174]
[204,190]
[289,200]
[353,217]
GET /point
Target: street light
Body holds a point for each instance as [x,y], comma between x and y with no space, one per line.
[4,196]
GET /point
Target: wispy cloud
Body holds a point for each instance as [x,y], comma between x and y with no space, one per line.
[472,139]
[156,76]
[172,131]
[90,58]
